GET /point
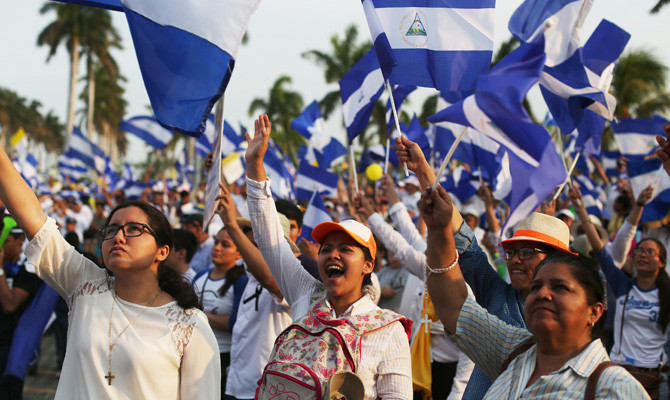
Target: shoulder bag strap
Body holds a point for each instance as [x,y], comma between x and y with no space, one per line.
[590,393]
[515,353]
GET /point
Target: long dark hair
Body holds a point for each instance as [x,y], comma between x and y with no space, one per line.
[232,275]
[169,280]
[662,283]
[586,272]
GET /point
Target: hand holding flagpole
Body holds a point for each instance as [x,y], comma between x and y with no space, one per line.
[572,167]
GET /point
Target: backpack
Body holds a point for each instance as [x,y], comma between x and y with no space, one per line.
[311,350]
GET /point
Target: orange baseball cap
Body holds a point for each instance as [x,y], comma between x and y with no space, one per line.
[357,231]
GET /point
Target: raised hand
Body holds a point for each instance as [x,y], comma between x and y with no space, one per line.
[258,145]
[664,152]
[363,205]
[389,190]
[645,196]
[226,208]
[436,208]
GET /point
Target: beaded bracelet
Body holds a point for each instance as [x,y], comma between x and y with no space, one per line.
[430,270]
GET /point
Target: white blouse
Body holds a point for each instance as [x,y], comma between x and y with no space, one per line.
[166,353]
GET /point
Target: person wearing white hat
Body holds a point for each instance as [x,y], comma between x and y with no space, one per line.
[372,342]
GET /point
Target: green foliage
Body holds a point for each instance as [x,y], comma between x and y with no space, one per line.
[639,85]
[17,112]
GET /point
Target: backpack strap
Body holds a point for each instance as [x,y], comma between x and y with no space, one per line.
[515,353]
[590,392]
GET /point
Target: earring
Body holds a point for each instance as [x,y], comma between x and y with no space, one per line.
[591,324]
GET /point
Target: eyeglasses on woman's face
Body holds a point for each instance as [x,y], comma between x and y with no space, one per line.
[646,252]
[524,253]
[131,229]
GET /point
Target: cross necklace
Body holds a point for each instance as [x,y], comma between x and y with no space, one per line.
[109,375]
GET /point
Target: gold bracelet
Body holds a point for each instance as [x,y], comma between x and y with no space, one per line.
[430,270]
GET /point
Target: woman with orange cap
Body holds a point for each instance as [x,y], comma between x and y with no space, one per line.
[373,343]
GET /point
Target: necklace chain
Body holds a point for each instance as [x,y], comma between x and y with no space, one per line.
[109,375]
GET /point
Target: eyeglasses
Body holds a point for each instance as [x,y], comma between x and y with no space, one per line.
[524,253]
[646,252]
[131,229]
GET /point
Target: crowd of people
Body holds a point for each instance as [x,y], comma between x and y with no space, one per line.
[406,294]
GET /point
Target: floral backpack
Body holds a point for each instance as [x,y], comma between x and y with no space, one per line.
[310,351]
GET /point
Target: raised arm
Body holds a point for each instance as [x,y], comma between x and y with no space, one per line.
[664,152]
[411,153]
[19,199]
[444,280]
[575,196]
[252,256]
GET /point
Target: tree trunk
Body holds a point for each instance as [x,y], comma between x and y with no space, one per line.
[91,99]
[74,68]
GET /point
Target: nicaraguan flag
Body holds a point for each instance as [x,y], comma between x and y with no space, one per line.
[312,179]
[637,137]
[359,89]
[315,214]
[644,173]
[230,141]
[417,134]
[496,110]
[461,184]
[111,177]
[86,151]
[311,125]
[432,43]
[186,51]
[149,130]
[592,196]
[400,93]
[72,168]
[609,160]
[278,173]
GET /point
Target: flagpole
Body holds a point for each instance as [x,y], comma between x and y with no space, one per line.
[448,157]
[397,126]
[572,167]
[353,167]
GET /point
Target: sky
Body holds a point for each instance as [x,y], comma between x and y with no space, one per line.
[279,32]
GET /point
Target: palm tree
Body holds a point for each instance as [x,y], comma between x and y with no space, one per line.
[110,109]
[282,106]
[86,29]
[346,52]
[639,84]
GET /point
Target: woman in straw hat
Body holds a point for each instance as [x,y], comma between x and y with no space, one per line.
[135,335]
[560,357]
[537,236]
[642,303]
[364,339]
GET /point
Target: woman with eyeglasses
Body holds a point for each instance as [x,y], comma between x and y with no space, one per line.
[642,304]
[135,335]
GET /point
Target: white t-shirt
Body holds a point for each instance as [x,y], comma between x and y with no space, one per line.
[260,319]
[208,292]
[166,353]
[642,342]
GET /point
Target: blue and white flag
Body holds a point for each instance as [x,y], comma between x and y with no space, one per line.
[644,173]
[186,52]
[149,130]
[432,43]
[71,168]
[314,179]
[609,161]
[496,110]
[230,141]
[324,147]
[417,134]
[359,89]
[461,183]
[400,93]
[593,196]
[315,214]
[110,175]
[278,173]
[86,151]
[637,137]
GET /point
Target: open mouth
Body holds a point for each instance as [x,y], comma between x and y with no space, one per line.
[334,271]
